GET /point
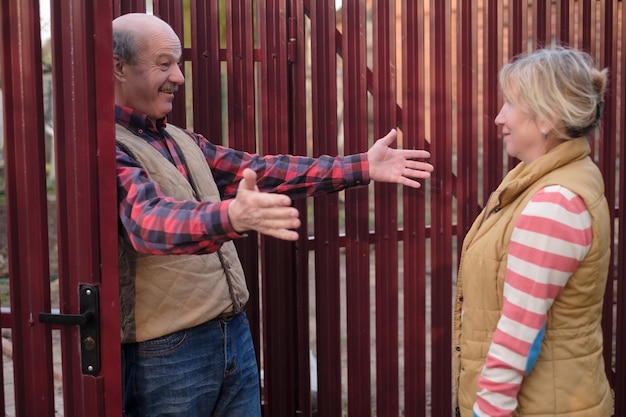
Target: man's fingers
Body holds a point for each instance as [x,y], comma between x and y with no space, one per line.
[268,214]
[409,182]
[277,218]
[417,170]
[419,166]
[283,234]
[268,201]
[282,220]
[278,222]
[249,180]
[415,153]
[389,138]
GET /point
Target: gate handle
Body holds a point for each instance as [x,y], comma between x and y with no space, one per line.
[89,323]
[66,319]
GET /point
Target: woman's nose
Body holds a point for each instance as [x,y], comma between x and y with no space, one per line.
[499,120]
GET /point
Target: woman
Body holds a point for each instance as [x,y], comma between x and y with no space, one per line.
[534,265]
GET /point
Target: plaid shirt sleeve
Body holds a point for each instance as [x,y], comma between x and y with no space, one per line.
[157,224]
[295,176]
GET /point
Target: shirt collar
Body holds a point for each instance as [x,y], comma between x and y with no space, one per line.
[136,121]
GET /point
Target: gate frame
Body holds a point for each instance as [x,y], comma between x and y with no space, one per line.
[278,117]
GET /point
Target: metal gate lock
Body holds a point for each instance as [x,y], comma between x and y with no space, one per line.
[89,322]
[89,343]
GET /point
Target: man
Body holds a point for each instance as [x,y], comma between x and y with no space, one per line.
[186,344]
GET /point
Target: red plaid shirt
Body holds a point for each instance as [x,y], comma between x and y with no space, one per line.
[200,227]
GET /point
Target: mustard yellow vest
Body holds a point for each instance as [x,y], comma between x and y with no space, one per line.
[163,294]
[569,377]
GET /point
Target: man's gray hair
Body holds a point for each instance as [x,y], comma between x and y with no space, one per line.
[124,46]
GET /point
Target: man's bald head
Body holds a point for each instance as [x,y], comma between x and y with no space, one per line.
[146,64]
[133,31]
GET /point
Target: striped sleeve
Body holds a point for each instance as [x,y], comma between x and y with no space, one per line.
[551,236]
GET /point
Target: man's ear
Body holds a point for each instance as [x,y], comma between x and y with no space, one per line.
[118,67]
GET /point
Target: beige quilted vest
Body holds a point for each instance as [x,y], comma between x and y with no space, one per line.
[568,378]
[163,294]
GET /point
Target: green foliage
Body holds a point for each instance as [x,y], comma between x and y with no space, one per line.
[46,54]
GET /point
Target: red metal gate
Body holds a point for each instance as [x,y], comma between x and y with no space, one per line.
[85,201]
[368,288]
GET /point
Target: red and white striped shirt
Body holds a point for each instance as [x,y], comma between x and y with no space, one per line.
[551,236]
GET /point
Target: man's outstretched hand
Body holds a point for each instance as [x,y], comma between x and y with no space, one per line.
[273,215]
[269,214]
[387,164]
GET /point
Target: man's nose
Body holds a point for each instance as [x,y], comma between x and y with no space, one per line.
[177,76]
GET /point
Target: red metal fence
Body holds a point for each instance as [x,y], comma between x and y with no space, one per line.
[368,288]
[85,205]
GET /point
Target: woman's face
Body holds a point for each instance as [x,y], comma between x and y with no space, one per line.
[521,133]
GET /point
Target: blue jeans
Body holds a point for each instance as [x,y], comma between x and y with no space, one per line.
[208,370]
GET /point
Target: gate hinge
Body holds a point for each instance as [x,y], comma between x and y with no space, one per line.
[292,44]
[89,322]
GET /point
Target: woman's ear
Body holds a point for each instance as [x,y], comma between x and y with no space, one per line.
[548,125]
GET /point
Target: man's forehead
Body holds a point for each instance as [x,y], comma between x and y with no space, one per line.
[170,53]
[159,47]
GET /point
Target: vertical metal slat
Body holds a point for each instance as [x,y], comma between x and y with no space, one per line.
[441,195]
[414,210]
[326,209]
[386,213]
[608,154]
[172,12]
[26,207]
[76,92]
[279,338]
[492,57]
[620,298]
[358,301]
[205,66]
[121,7]
[541,24]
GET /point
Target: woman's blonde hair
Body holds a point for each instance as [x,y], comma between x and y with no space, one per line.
[557,84]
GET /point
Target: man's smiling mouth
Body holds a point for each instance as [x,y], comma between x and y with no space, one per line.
[168,90]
